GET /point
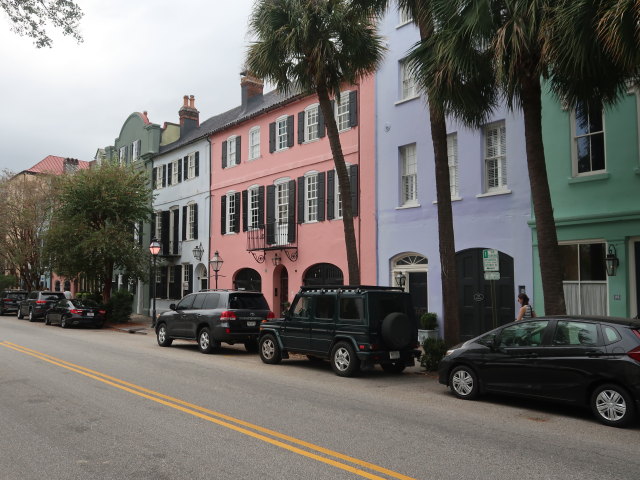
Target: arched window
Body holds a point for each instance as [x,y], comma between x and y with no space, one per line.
[57,287]
[248,279]
[323,274]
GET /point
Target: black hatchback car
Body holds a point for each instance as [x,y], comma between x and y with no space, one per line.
[215,316]
[10,300]
[75,313]
[587,361]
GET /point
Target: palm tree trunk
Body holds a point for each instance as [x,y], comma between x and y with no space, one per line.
[548,250]
[344,185]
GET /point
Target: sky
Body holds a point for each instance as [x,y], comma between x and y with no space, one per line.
[71,99]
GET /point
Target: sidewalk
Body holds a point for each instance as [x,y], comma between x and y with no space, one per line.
[138,324]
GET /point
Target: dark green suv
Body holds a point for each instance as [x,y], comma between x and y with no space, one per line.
[355,327]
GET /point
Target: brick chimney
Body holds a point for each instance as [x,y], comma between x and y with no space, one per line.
[189,115]
[70,165]
[252,88]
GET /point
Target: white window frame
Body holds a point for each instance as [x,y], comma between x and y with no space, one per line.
[191,166]
[232,155]
[254,143]
[312,112]
[122,155]
[191,221]
[452,157]
[342,113]
[408,83]
[231,213]
[337,197]
[404,16]
[497,159]
[159,177]
[580,283]
[574,145]
[311,197]
[171,273]
[158,232]
[185,273]
[253,207]
[282,135]
[174,172]
[134,151]
[409,175]
[282,210]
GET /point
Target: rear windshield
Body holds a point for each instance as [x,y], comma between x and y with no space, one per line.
[248,301]
[16,296]
[382,304]
[87,302]
[52,296]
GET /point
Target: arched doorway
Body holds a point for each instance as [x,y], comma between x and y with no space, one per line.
[414,267]
[280,290]
[248,279]
[483,304]
[323,274]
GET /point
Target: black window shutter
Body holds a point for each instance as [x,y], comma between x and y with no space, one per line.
[165,232]
[245,208]
[261,206]
[272,137]
[321,196]
[175,287]
[195,221]
[321,126]
[223,214]
[236,222]
[301,127]
[154,178]
[185,169]
[197,164]
[161,291]
[291,221]
[353,183]
[184,222]
[190,267]
[169,169]
[301,195]
[153,225]
[176,230]
[179,170]
[353,108]
[224,154]
[290,131]
[238,150]
[331,195]
[164,175]
[271,214]
[140,232]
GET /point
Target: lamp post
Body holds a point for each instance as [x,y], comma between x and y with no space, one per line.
[154,248]
[216,264]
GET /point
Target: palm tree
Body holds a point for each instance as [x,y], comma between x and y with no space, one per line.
[317,46]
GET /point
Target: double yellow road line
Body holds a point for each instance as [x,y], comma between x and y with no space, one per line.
[300,447]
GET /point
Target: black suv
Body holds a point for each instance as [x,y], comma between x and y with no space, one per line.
[37,304]
[10,300]
[353,326]
[215,316]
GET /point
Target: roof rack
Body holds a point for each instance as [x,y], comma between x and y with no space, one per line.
[310,288]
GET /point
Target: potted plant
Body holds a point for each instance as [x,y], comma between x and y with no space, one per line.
[428,326]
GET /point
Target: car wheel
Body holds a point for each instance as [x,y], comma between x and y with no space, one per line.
[31,317]
[63,323]
[269,349]
[20,314]
[206,344]
[47,320]
[397,367]
[344,361]
[163,338]
[463,382]
[251,346]
[612,405]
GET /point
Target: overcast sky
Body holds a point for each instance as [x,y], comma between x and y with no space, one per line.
[71,99]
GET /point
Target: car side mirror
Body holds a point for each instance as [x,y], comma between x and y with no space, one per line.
[172,306]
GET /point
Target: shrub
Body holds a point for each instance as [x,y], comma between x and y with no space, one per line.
[120,307]
[429,321]
[96,297]
[434,350]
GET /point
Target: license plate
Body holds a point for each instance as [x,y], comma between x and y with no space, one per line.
[251,324]
[394,355]
[89,314]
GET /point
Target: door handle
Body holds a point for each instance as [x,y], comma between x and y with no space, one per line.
[594,353]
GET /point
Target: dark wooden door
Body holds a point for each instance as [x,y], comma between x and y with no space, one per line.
[637,255]
[284,290]
[483,304]
[418,290]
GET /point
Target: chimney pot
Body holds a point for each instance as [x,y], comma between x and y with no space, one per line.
[186,101]
[192,100]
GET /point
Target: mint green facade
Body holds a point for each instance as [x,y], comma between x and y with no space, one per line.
[596,212]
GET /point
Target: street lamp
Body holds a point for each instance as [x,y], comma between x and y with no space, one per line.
[216,264]
[401,279]
[198,251]
[154,248]
[611,261]
[276,260]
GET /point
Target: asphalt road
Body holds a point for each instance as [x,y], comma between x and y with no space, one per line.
[102,404]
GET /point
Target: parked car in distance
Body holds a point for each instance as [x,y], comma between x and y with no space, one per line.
[353,326]
[37,303]
[10,300]
[215,316]
[587,361]
[75,313]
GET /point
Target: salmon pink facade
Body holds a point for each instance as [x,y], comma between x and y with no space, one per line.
[275,203]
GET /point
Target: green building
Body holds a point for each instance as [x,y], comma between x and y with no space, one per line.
[593,165]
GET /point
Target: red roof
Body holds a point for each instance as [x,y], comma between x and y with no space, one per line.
[54,165]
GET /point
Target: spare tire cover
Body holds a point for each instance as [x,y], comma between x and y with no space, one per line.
[397,331]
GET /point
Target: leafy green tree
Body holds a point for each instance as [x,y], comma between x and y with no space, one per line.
[30,18]
[317,46]
[8,281]
[92,230]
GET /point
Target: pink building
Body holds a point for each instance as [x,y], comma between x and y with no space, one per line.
[276,211]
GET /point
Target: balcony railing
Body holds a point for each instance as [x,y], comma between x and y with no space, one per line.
[273,236]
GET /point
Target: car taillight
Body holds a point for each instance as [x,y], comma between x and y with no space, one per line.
[635,354]
[75,311]
[227,315]
[41,302]
[7,299]
[637,332]
[102,312]
[271,315]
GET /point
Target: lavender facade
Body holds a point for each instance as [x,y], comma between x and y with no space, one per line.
[490,197]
